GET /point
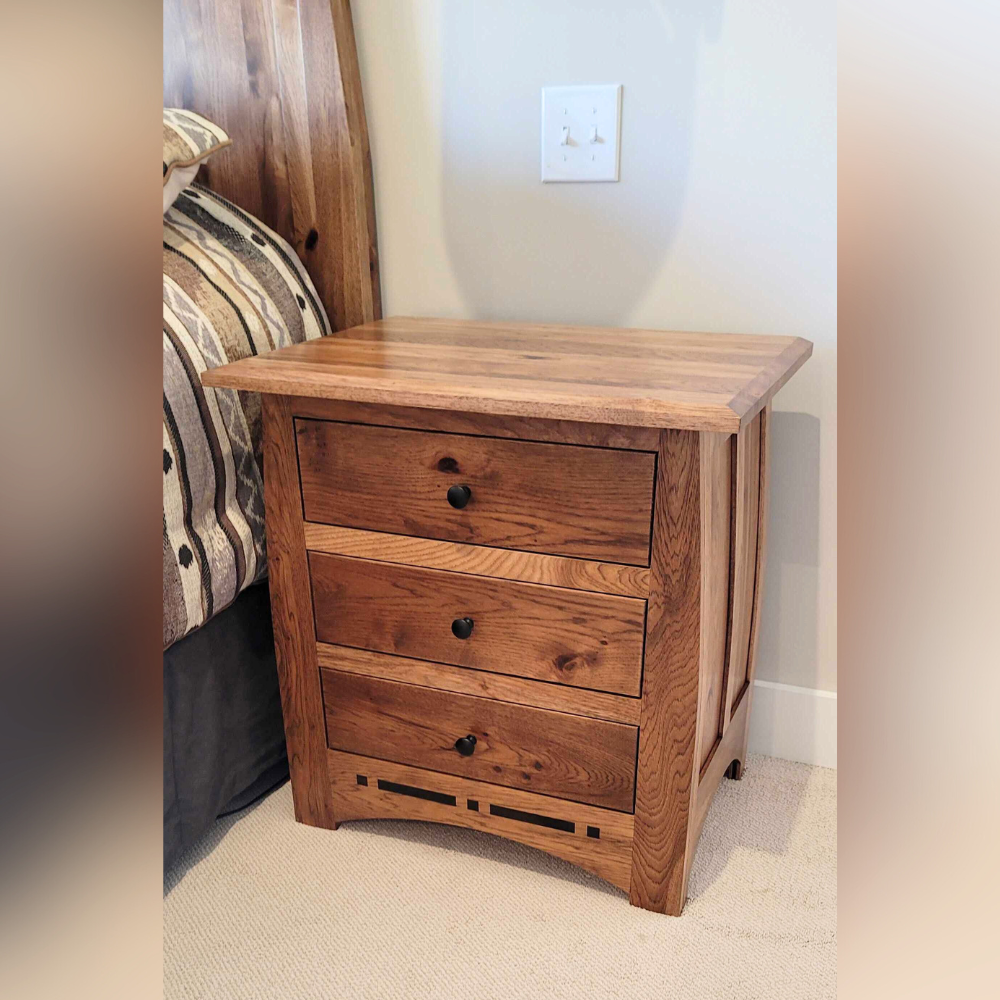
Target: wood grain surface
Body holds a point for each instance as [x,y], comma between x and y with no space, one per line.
[549,633]
[291,611]
[462,680]
[609,856]
[593,503]
[667,770]
[480,560]
[641,378]
[282,78]
[552,753]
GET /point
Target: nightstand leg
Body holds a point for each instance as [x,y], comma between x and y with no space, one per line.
[666,775]
[294,628]
[707,569]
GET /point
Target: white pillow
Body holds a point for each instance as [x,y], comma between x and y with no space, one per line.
[188,139]
[180,178]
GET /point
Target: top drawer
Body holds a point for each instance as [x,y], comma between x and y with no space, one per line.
[592,503]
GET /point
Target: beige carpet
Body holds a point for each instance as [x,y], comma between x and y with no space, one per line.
[265,908]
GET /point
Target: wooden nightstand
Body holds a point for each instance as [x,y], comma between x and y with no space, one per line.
[515,578]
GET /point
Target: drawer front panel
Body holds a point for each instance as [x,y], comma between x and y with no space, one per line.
[552,753]
[592,503]
[529,630]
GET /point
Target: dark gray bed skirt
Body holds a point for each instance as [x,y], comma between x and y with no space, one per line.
[223,741]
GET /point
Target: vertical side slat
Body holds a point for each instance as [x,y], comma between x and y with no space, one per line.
[342,267]
[716,503]
[296,138]
[282,78]
[758,591]
[291,610]
[763,507]
[667,771]
[744,560]
[358,178]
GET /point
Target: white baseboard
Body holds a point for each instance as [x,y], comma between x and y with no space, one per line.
[794,723]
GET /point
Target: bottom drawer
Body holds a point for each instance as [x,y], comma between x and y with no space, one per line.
[553,753]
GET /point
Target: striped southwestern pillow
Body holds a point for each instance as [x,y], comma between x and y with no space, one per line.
[188,139]
[231,288]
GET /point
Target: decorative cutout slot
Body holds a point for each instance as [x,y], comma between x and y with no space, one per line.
[417,793]
[362,780]
[594,831]
[474,805]
[535,818]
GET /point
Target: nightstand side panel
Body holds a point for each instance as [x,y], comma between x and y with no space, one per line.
[292,614]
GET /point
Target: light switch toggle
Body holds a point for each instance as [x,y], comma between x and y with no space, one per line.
[581,132]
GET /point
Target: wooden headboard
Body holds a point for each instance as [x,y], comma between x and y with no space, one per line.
[282,78]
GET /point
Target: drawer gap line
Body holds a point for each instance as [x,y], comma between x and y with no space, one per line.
[473,434]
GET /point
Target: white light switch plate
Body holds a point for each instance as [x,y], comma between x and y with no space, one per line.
[574,155]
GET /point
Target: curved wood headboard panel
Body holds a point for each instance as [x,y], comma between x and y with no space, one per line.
[282,78]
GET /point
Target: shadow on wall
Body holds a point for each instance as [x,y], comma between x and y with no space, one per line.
[788,624]
[570,253]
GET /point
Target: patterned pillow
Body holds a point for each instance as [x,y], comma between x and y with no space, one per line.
[232,288]
[187,140]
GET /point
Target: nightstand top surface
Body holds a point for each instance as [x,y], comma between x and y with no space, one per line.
[638,378]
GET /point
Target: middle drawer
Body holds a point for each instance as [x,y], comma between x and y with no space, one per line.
[556,634]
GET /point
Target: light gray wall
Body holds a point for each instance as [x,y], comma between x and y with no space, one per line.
[724,219]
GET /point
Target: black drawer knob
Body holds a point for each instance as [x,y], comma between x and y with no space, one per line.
[459,496]
[466,745]
[461,628]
